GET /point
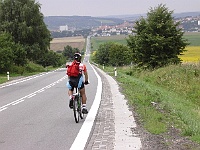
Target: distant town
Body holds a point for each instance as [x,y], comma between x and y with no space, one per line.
[190,24]
[187,24]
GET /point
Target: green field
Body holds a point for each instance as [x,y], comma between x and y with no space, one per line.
[192,54]
[193,39]
[96,41]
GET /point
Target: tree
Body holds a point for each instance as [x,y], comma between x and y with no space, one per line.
[10,53]
[157,41]
[19,55]
[6,52]
[69,52]
[102,54]
[51,58]
[119,55]
[113,54]
[23,20]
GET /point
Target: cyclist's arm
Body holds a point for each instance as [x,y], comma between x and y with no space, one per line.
[85,73]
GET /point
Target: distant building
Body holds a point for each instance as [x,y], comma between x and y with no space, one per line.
[199,23]
[63,28]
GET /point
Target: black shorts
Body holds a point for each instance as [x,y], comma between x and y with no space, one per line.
[73,81]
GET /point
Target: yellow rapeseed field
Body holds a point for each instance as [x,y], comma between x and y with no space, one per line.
[191,55]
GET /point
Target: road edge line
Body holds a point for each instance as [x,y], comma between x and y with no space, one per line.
[82,137]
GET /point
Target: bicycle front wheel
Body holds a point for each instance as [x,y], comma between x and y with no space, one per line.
[76,110]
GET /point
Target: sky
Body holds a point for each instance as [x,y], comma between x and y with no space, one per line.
[97,8]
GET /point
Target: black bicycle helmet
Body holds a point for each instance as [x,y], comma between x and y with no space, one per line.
[77,57]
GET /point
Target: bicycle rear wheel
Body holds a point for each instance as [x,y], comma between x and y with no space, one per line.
[80,109]
[76,109]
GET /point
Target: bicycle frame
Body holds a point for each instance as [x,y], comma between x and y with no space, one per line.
[76,93]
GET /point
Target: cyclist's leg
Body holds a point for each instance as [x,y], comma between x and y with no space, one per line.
[70,93]
[82,90]
[70,89]
[84,98]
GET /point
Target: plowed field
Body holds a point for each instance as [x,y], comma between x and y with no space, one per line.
[58,44]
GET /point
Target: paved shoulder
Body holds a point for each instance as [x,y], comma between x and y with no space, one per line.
[103,134]
[114,125]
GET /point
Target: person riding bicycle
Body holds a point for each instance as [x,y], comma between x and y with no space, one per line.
[79,82]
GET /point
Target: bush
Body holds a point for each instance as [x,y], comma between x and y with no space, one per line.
[17,69]
[31,67]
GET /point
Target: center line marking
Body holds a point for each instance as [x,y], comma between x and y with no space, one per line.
[31,95]
[1,109]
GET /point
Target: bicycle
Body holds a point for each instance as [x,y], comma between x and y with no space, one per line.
[77,105]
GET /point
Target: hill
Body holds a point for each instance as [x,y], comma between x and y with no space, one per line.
[88,22]
[79,22]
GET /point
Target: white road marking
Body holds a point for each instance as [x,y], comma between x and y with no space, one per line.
[26,79]
[3,108]
[17,102]
[31,95]
[39,91]
[82,137]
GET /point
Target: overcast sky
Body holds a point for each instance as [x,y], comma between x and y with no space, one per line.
[112,7]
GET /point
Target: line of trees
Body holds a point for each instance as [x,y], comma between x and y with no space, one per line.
[24,37]
[69,52]
[113,54]
[157,41]
[58,34]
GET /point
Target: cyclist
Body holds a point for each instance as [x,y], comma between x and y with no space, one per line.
[78,81]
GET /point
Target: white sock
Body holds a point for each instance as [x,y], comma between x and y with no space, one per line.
[84,105]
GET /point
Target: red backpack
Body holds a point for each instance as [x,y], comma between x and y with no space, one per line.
[73,69]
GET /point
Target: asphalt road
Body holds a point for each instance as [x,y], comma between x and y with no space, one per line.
[34,112]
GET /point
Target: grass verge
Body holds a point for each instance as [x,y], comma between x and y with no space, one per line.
[164,98]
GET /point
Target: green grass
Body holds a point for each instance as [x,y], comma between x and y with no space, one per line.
[164,97]
[3,78]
